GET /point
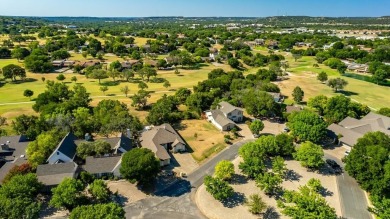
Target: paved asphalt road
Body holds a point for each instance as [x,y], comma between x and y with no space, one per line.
[353,200]
[176,201]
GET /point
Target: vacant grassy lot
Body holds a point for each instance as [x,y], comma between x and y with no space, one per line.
[202,137]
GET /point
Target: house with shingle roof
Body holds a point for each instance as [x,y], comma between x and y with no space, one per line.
[350,129]
[225,116]
[66,149]
[51,175]
[160,140]
[100,166]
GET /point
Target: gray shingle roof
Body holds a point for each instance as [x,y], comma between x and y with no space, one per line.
[67,146]
[17,146]
[352,129]
[95,165]
[123,141]
[220,118]
[53,174]
[226,107]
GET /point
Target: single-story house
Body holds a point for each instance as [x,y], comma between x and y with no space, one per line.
[360,68]
[160,140]
[350,129]
[129,63]
[103,166]
[51,175]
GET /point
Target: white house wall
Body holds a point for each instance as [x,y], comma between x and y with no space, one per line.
[58,156]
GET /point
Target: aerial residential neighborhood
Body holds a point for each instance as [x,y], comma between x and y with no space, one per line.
[195,109]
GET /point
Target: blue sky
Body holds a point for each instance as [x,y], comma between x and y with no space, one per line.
[195,8]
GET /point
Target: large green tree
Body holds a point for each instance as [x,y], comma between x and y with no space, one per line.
[256,127]
[38,61]
[310,155]
[259,103]
[165,110]
[298,94]
[307,126]
[305,203]
[12,71]
[141,165]
[224,170]
[269,182]
[40,149]
[337,84]
[218,188]
[99,190]
[68,194]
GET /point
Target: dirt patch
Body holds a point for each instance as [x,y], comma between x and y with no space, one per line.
[202,137]
[128,193]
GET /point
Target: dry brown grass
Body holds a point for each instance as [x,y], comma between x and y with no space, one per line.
[202,137]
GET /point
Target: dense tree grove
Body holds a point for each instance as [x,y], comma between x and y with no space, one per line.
[337,108]
[18,197]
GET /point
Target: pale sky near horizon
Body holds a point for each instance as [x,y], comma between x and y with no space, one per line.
[195,8]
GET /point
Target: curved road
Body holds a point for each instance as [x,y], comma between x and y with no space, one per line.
[176,201]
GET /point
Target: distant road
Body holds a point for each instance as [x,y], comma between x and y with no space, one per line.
[352,198]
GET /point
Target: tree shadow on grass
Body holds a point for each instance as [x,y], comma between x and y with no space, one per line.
[237,199]
[110,83]
[348,93]
[26,80]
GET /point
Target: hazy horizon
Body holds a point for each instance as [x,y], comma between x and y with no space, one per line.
[198,8]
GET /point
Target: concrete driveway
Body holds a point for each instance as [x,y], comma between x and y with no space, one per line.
[272,127]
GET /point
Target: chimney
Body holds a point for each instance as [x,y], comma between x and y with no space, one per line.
[128,133]
[88,137]
[4,147]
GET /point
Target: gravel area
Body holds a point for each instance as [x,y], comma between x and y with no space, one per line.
[236,208]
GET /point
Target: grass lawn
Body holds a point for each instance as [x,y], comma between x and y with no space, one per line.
[13,92]
[140,41]
[202,137]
